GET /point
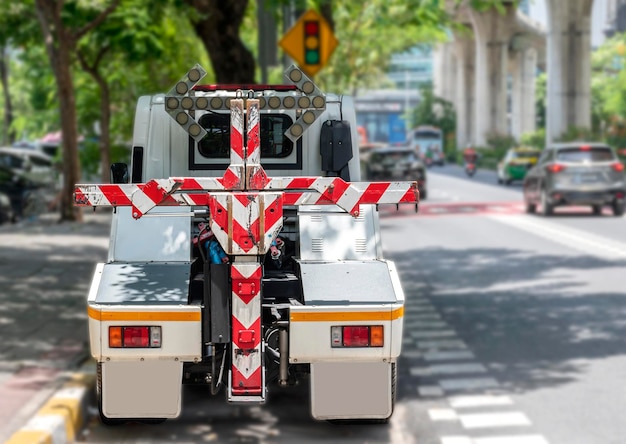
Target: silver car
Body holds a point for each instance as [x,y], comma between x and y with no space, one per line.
[576,173]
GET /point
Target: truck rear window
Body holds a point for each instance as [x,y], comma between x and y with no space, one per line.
[216,143]
[585,154]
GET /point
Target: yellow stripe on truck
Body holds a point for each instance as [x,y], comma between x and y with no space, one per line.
[100,315]
[339,316]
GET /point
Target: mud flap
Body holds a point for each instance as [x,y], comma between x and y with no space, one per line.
[351,390]
[142,389]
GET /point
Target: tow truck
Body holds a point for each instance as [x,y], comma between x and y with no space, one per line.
[222,275]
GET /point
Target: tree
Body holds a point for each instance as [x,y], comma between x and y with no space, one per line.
[217,25]
[62,25]
[435,111]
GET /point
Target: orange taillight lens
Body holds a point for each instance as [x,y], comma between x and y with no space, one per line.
[377,338]
[115,337]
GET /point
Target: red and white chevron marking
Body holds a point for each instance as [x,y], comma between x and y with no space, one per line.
[246,369]
[256,178]
[246,223]
[347,195]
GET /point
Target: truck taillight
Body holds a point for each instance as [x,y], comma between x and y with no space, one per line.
[618,166]
[357,336]
[135,337]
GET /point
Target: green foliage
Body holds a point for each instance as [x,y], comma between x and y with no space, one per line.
[369,33]
[89,155]
[536,139]
[575,133]
[435,111]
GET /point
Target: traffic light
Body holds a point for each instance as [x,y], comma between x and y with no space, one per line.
[312,55]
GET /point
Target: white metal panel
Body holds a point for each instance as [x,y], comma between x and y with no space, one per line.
[142,389]
[157,239]
[310,327]
[351,390]
[327,233]
[347,282]
[145,283]
[181,339]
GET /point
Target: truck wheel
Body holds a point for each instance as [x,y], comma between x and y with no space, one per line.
[546,208]
[618,208]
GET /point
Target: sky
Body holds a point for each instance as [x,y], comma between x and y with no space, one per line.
[598,18]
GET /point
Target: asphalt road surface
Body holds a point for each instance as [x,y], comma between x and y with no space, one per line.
[514,333]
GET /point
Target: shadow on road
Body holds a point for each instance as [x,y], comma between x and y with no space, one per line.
[531,319]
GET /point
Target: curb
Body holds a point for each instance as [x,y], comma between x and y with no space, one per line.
[62,416]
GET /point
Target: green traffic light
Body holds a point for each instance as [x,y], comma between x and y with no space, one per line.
[312,57]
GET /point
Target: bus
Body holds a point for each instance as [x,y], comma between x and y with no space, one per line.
[427,140]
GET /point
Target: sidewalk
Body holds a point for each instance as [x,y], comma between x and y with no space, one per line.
[45,273]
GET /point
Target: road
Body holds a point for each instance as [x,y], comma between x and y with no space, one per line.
[514,330]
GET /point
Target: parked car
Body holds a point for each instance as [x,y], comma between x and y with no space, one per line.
[576,173]
[32,164]
[396,163]
[516,163]
[27,198]
[6,210]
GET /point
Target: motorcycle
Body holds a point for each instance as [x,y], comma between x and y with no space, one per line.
[470,168]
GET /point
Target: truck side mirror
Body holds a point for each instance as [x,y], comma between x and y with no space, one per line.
[119,173]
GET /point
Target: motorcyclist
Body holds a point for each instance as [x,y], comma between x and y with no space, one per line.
[470,155]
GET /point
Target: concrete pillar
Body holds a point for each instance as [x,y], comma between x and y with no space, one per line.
[444,75]
[523,69]
[464,45]
[492,31]
[569,66]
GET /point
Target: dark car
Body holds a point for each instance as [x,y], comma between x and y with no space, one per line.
[396,163]
[576,173]
[26,197]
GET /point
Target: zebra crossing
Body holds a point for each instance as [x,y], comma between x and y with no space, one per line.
[463,401]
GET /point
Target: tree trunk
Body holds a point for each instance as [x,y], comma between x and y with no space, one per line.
[8,136]
[218,28]
[105,133]
[69,129]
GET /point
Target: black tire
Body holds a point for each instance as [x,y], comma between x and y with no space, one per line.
[531,208]
[597,209]
[618,208]
[423,194]
[508,182]
[546,208]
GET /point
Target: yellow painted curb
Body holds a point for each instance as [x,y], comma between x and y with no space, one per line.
[60,419]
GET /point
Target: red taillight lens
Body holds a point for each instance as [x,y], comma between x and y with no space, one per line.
[357,336]
[134,337]
[555,168]
[585,148]
[617,166]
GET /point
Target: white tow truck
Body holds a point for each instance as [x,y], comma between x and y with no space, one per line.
[219,273]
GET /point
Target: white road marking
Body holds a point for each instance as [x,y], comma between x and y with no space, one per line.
[456,440]
[448,369]
[485,420]
[527,439]
[479,401]
[442,343]
[519,439]
[448,355]
[430,391]
[584,241]
[468,383]
[442,415]
[427,334]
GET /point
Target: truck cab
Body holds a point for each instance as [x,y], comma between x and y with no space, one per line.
[300,290]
